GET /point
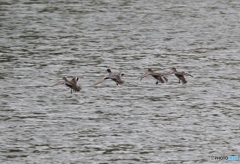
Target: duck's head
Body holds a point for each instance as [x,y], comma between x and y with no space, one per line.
[150,70]
[173,69]
[109,71]
[64,78]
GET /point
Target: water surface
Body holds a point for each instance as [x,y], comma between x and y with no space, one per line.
[138,122]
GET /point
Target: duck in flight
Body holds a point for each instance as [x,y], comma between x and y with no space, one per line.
[180,75]
[160,77]
[70,83]
[113,76]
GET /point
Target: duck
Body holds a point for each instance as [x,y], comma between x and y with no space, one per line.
[70,83]
[116,77]
[160,77]
[180,75]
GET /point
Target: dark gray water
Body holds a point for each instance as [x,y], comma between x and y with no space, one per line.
[138,122]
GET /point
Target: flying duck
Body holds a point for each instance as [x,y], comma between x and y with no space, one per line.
[160,77]
[180,75]
[113,76]
[70,83]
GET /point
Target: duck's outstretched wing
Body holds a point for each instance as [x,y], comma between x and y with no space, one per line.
[58,83]
[74,80]
[145,75]
[187,74]
[102,79]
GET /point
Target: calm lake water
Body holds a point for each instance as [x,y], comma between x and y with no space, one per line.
[138,122]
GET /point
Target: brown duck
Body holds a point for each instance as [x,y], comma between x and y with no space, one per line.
[160,77]
[70,83]
[113,76]
[180,75]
